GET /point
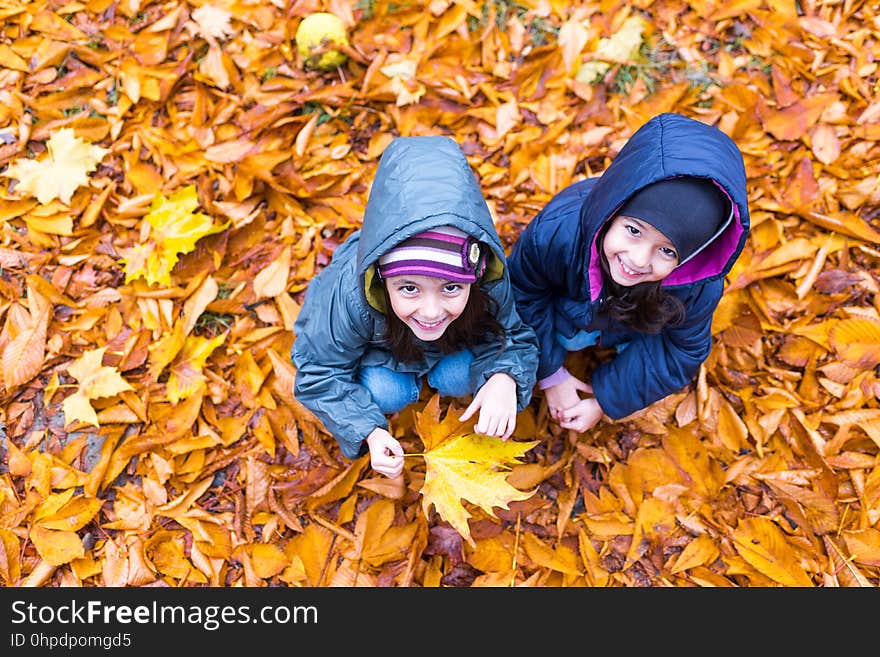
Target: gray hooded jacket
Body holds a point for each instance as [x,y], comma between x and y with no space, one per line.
[420,183]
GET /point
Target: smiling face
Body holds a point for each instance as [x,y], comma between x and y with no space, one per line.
[427,305]
[637,252]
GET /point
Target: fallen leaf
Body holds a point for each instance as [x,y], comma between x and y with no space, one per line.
[465,466]
[65,169]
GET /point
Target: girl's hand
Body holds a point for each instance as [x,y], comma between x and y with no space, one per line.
[564,396]
[386,453]
[582,416]
[497,403]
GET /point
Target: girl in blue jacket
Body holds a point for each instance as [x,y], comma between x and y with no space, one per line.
[633,259]
[422,289]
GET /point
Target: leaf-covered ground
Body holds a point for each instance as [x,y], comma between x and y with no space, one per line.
[198,467]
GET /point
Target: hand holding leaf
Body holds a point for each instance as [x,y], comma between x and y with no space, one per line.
[464,465]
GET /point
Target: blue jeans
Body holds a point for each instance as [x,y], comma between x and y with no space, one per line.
[393,391]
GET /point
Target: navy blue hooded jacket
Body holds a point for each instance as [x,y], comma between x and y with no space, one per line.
[558,284]
[420,183]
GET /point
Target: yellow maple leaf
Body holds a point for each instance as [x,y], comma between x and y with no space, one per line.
[174,228]
[66,168]
[464,465]
[186,376]
[95,380]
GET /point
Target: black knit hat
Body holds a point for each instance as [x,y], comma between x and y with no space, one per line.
[691,212]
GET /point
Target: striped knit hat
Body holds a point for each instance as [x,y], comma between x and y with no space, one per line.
[443,252]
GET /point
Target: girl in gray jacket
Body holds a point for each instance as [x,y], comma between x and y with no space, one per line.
[422,289]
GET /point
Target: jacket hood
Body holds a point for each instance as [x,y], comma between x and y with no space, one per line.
[669,146]
[420,183]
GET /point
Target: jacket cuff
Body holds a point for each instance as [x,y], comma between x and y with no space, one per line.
[557,377]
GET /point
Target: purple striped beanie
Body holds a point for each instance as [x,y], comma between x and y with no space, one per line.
[444,252]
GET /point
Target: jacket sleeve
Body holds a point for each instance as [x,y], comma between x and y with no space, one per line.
[333,330]
[516,355]
[536,279]
[652,367]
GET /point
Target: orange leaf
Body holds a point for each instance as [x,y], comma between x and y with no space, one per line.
[268,559]
[792,122]
[864,545]
[56,547]
[763,545]
[857,342]
[825,143]
[271,281]
[23,356]
[10,566]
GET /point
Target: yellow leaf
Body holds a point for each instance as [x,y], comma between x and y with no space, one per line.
[763,545]
[65,169]
[180,505]
[175,223]
[213,540]
[56,547]
[562,559]
[621,48]
[308,554]
[97,380]
[654,521]
[465,466]
[699,552]
[186,376]
[50,505]
[141,261]
[268,560]
[165,551]
[78,407]
[248,376]
[74,515]
[165,350]
[59,224]
[175,228]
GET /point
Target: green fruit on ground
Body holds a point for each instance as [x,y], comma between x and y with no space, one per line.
[315,37]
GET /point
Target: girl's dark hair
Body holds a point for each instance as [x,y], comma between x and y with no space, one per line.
[476,324]
[644,307]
